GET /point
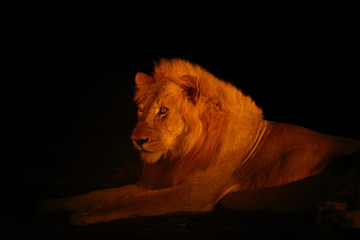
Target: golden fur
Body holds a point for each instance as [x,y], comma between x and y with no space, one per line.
[201,139]
[206,117]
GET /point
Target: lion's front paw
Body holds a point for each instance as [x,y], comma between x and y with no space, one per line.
[91,216]
[80,218]
[86,217]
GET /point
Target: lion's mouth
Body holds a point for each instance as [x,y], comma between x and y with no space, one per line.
[149,147]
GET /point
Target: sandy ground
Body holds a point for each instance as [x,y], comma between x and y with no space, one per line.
[85,146]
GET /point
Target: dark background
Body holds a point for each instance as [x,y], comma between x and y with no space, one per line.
[67,110]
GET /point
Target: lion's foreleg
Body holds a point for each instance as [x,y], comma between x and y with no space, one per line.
[149,203]
[85,201]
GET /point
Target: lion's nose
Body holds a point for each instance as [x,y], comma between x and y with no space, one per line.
[140,142]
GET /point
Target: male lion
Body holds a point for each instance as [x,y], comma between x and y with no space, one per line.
[203,142]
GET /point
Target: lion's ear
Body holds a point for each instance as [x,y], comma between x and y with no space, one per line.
[143,80]
[191,87]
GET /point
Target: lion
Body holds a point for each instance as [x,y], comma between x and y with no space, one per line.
[203,143]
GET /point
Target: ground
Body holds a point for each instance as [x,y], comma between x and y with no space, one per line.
[81,144]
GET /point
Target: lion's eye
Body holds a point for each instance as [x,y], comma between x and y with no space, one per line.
[140,109]
[163,110]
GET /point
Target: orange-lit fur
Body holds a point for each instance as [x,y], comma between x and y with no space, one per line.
[202,139]
[207,121]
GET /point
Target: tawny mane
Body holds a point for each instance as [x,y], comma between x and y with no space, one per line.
[215,91]
[211,117]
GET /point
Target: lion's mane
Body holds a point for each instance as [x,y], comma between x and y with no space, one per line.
[210,117]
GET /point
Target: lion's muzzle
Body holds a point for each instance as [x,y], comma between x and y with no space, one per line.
[140,142]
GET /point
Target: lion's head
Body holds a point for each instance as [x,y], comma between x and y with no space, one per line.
[162,119]
[184,113]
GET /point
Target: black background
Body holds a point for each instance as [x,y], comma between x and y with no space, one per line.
[67,90]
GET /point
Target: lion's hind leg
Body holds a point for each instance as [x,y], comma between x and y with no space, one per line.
[337,214]
[345,210]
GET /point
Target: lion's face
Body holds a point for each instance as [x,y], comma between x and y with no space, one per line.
[159,125]
[164,124]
